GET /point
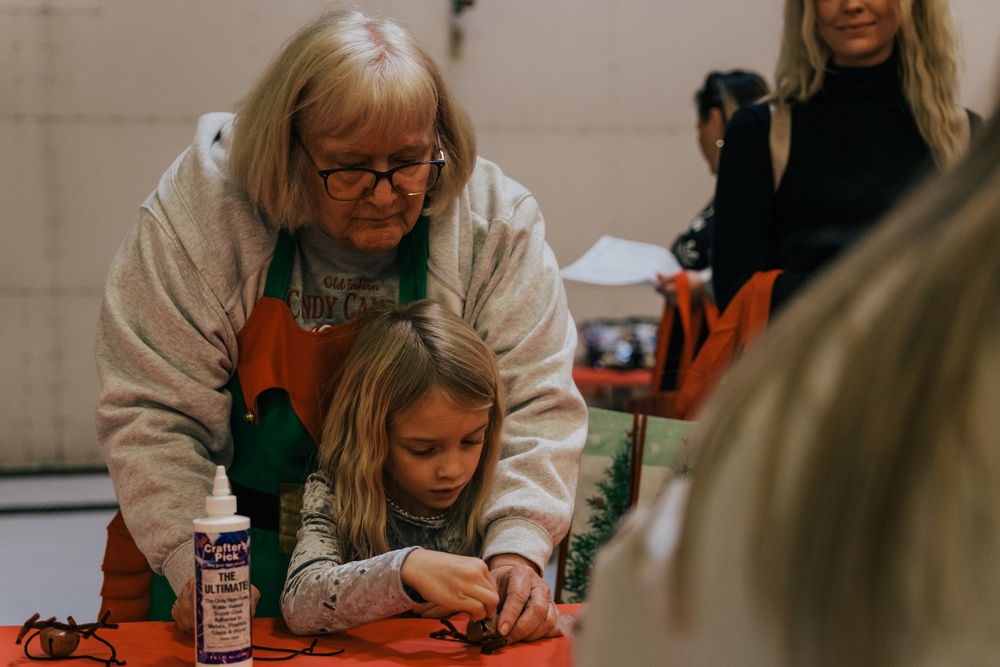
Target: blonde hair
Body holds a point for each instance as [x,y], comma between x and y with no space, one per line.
[401,352]
[928,69]
[874,529]
[346,73]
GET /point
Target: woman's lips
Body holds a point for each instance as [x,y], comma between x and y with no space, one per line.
[856,27]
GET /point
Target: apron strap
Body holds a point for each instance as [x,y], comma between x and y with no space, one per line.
[413,254]
[280,271]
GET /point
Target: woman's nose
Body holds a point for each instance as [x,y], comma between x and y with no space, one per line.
[383,194]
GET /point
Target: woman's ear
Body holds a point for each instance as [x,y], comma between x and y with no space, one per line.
[710,134]
[716,121]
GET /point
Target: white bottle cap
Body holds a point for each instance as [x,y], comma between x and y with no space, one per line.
[221,502]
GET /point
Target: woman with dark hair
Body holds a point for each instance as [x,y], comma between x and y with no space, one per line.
[721,94]
[717,100]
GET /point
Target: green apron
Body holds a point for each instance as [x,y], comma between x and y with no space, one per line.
[273,451]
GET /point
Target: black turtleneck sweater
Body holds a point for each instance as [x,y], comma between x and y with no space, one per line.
[855,149]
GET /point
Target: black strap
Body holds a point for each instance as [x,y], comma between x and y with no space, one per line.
[262,508]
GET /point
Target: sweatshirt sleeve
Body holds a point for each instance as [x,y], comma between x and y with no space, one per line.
[323,593]
[517,304]
[165,351]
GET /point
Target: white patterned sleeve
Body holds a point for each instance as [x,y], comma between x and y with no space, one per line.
[324,594]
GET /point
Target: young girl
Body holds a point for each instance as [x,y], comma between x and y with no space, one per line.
[391,520]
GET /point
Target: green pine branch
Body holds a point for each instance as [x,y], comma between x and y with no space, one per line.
[607,510]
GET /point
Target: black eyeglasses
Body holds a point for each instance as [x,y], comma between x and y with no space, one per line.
[353,183]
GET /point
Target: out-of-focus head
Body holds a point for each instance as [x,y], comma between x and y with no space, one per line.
[849,389]
[717,100]
[353,85]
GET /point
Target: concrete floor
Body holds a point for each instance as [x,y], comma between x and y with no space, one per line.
[50,561]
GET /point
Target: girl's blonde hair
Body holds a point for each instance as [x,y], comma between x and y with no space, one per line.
[401,352]
[874,528]
[928,68]
[347,74]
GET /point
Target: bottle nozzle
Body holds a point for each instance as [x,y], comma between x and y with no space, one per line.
[220,486]
[221,502]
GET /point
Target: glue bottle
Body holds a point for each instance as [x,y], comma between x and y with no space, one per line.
[222,580]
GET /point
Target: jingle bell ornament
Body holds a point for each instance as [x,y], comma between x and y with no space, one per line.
[58,643]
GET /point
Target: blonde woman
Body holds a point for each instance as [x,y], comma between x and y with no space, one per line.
[392,520]
[845,505]
[348,176]
[873,95]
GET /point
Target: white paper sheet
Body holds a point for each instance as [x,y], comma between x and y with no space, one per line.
[614,261]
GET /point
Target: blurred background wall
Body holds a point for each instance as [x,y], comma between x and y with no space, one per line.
[587,102]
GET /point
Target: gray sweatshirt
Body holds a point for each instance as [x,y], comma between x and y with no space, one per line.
[184,282]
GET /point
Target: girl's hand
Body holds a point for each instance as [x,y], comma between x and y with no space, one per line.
[431,610]
[461,583]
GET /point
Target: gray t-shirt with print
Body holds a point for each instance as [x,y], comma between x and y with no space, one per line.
[331,284]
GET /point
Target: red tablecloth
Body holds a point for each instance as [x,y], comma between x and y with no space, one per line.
[393,641]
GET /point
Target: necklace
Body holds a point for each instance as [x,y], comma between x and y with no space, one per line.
[393,505]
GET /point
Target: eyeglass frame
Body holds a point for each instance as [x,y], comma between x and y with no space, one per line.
[379,175]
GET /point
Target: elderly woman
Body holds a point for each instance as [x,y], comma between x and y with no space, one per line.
[873,97]
[348,175]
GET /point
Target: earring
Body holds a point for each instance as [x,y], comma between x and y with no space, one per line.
[720,143]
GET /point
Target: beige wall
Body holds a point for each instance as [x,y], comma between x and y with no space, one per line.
[587,102]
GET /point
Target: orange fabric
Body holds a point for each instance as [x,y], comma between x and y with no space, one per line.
[693,315]
[304,370]
[742,320]
[127,575]
[392,641]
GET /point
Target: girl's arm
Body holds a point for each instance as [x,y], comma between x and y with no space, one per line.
[324,594]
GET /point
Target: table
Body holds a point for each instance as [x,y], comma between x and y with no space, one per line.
[609,388]
[392,641]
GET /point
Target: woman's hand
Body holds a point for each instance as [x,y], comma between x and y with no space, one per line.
[667,286]
[528,612]
[458,583]
[183,609]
